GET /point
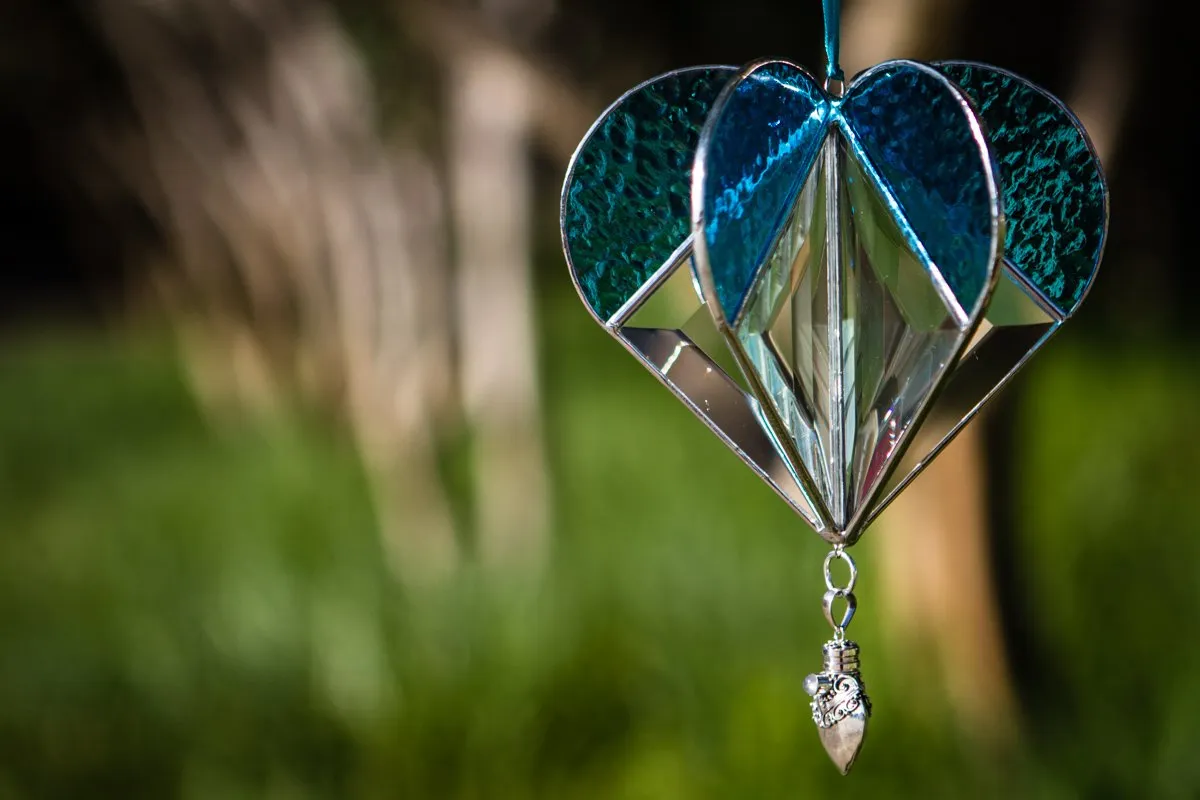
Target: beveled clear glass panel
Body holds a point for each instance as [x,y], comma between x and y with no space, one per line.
[846,393]
[1012,304]
[899,336]
[698,379]
[676,305]
[674,334]
[784,332]
[1015,326]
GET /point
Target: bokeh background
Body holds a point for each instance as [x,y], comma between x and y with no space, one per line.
[318,481]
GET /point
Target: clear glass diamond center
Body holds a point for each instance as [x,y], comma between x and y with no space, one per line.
[846,335]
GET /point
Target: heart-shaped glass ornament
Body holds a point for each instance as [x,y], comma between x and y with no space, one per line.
[822,275]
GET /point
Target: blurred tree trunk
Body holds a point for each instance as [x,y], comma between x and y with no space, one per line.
[301,249]
[297,245]
[490,166]
[939,583]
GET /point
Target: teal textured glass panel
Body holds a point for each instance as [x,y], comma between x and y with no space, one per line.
[626,200]
[760,147]
[1055,198]
[917,135]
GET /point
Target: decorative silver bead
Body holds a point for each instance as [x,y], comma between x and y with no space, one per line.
[840,704]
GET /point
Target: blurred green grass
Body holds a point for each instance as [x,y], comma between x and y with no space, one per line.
[200,612]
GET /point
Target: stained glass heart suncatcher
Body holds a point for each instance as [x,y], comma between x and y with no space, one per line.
[819,273]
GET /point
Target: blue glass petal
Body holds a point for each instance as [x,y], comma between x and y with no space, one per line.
[920,139]
[1055,198]
[762,141]
[627,193]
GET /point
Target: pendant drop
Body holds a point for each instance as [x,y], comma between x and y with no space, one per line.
[840,705]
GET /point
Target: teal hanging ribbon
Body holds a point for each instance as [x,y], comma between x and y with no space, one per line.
[833,26]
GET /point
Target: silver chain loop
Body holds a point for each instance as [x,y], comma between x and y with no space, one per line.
[836,554]
[834,593]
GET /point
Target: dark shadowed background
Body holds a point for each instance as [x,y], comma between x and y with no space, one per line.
[317,479]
